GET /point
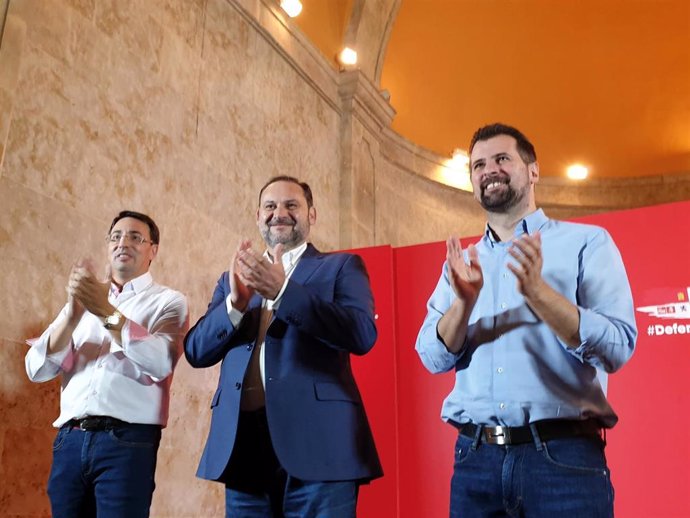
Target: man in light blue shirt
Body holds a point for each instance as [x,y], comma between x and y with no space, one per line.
[532,318]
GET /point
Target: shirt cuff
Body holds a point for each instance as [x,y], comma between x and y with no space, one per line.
[40,346]
[235,315]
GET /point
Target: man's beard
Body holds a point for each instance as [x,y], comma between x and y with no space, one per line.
[499,202]
[501,199]
[289,240]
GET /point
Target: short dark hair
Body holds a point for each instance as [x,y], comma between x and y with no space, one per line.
[304,185]
[524,146]
[153,228]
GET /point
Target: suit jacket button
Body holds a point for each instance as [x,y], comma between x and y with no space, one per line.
[250,347]
[238,385]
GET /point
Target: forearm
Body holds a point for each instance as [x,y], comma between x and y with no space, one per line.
[557,312]
[210,339]
[41,363]
[61,336]
[452,327]
[156,350]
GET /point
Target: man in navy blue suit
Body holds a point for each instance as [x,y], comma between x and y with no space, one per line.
[289,435]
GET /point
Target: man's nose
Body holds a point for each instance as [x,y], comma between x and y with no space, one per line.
[123,240]
[280,212]
[491,166]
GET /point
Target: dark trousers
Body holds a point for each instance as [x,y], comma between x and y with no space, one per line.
[109,473]
[257,486]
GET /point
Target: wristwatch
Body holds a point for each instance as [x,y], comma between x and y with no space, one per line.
[111,321]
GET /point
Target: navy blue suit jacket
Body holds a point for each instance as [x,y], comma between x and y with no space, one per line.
[315,414]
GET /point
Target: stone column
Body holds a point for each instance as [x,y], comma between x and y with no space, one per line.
[12,36]
[365,114]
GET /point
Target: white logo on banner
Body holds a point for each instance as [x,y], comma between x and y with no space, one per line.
[677,310]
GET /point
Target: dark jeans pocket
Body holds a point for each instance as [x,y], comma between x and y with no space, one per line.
[577,454]
[137,436]
[60,437]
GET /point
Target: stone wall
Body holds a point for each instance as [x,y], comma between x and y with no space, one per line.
[182,109]
[179,109]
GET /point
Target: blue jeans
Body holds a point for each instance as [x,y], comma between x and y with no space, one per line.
[257,486]
[108,473]
[558,478]
[295,499]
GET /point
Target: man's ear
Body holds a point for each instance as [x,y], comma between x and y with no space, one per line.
[312,215]
[533,169]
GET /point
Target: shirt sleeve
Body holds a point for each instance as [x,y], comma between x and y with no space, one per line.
[41,366]
[607,317]
[431,349]
[156,350]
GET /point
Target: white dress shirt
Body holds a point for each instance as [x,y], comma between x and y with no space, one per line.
[129,380]
[289,260]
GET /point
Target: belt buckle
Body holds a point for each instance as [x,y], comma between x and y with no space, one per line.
[89,424]
[497,435]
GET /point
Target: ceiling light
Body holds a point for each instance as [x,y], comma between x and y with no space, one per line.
[291,7]
[347,57]
[577,172]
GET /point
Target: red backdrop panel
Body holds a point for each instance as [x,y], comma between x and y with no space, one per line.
[375,374]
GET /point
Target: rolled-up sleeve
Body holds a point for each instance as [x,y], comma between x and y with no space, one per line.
[431,349]
[607,317]
[41,366]
[157,349]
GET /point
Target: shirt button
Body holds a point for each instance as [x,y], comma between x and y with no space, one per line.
[505,275]
[499,370]
[503,305]
[249,347]
[502,406]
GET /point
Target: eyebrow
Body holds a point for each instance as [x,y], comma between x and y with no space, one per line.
[291,200]
[494,156]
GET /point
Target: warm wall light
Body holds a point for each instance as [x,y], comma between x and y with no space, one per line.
[460,160]
[455,171]
[291,7]
[577,172]
[347,57]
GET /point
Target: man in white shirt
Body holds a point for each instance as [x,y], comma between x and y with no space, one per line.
[114,345]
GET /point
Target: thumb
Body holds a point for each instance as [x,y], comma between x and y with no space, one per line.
[108,273]
[278,253]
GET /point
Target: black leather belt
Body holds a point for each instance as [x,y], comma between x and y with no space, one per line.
[547,430]
[95,423]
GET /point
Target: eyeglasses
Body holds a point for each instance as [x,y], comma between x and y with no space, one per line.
[132,237]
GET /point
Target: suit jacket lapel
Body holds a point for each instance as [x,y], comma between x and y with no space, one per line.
[307,266]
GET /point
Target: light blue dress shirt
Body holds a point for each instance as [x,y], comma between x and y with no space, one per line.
[513,369]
